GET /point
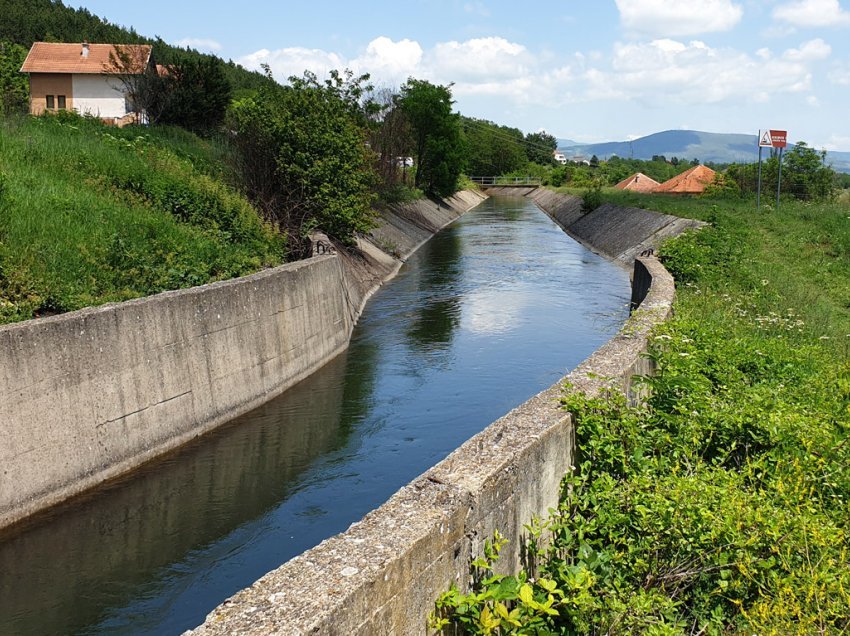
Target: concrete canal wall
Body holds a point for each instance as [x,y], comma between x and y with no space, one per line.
[93,394]
[384,573]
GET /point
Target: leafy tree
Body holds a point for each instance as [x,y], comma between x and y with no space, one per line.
[196,95]
[492,149]
[806,174]
[303,159]
[190,92]
[14,88]
[539,147]
[437,141]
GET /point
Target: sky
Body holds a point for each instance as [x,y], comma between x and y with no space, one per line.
[586,70]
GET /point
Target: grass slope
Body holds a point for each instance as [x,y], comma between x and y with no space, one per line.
[722,505]
[90,215]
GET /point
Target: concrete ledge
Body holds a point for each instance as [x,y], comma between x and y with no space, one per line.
[384,573]
[616,232]
[90,395]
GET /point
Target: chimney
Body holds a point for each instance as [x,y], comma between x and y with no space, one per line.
[85,51]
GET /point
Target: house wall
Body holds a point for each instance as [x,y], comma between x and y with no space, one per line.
[98,95]
[43,84]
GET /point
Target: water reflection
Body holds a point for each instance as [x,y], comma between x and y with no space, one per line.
[103,549]
[491,311]
[435,319]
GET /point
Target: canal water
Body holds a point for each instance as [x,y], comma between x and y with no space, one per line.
[492,310]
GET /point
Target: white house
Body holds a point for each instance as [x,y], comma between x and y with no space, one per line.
[85,78]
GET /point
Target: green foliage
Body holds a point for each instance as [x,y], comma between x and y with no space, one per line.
[720,506]
[195,93]
[492,149]
[592,197]
[438,143]
[540,146]
[14,87]
[302,157]
[92,214]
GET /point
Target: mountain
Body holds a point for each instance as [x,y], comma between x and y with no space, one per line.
[688,144]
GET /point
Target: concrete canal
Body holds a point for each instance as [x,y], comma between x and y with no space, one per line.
[492,310]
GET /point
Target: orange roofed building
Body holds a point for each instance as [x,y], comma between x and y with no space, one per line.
[638,182]
[693,181]
[84,77]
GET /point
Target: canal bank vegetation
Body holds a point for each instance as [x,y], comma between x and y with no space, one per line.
[721,505]
[234,174]
[90,214]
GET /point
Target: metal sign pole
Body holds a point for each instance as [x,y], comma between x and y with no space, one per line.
[779,179]
[758,191]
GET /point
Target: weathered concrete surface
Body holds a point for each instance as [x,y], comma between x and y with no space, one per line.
[384,573]
[616,232]
[92,394]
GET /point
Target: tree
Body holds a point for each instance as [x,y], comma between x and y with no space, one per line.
[437,141]
[191,92]
[805,173]
[540,146]
[14,88]
[492,149]
[303,159]
[197,93]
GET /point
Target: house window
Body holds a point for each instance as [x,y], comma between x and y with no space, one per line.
[60,102]
[51,102]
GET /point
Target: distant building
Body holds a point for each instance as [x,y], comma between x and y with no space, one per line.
[83,77]
[693,181]
[560,157]
[638,182]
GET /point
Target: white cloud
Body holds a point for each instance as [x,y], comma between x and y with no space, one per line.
[294,61]
[201,44]
[809,51]
[812,100]
[694,73]
[482,58]
[389,61]
[812,13]
[675,18]
[494,69]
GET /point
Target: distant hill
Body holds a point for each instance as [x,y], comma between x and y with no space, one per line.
[687,144]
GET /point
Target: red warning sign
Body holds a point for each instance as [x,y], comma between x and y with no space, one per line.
[773,138]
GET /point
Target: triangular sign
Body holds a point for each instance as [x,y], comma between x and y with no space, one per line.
[765,139]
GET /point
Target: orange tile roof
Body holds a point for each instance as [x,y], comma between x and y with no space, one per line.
[53,57]
[638,182]
[693,181]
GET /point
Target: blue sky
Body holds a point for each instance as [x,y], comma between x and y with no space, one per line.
[589,70]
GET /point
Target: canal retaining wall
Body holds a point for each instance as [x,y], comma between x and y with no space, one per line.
[90,395]
[619,233]
[384,573]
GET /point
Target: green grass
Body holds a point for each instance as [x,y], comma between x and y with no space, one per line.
[722,506]
[91,214]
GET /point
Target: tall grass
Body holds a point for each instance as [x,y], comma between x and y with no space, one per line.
[722,505]
[90,214]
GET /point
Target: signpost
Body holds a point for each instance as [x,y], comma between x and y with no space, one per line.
[772,139]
